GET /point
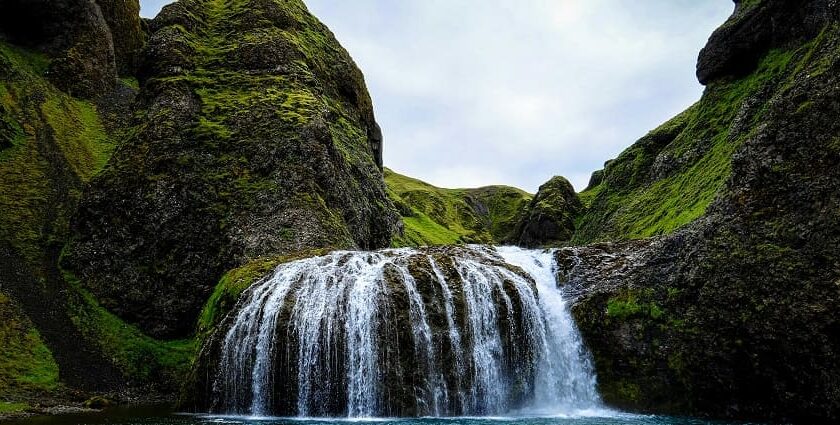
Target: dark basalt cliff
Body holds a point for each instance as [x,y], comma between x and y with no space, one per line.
[254,137]
[732,315]
[241,135]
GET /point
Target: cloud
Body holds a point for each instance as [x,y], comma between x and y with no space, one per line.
[475,92]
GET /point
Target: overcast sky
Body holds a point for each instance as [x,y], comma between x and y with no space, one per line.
[478,92]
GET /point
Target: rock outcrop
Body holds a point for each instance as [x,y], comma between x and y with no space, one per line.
[550,217]
[79,35]
[394,333]
[732,315]
[255,137]
[758,26]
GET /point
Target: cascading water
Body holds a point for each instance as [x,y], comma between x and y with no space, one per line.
[433,332]
[566,377]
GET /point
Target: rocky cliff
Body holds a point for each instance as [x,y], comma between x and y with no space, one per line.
[254,137]
[54,59]
[549,219]
[250,134]
[732,314]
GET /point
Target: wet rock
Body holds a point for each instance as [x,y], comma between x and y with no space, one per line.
[731,316]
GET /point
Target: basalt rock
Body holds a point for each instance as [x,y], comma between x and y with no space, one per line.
[445,330]
[255,137]
[757,26]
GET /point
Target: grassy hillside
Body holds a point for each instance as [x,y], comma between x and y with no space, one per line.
[669,177]
[436,216]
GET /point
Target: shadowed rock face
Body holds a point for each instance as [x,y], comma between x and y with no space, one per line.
[89,40]
[252,138]
[734,315]
[757,26]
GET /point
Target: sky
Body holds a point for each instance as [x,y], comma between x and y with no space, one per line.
[478,92]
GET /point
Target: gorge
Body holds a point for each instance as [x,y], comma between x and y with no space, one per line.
[194,209]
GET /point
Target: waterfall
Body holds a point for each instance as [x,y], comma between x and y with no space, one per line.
[404,332]
[566,377]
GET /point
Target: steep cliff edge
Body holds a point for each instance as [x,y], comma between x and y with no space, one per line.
[255,137]
[732,313]
[52,144]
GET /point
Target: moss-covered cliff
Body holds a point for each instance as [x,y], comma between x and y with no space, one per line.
[250,134]
[436,216]
[254,136]
[731,313]
[55,336]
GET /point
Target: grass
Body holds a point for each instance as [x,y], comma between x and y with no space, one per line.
[35,109]
[137,355]
[12,407]
[26,364]
[437,216]
[235,281]
[630,203]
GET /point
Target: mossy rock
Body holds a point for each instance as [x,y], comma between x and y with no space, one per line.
[550,217]
[254,137]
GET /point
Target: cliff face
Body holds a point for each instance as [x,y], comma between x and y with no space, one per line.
[88,41]
[732,314]
[252,134]
[52,142]
[254,137]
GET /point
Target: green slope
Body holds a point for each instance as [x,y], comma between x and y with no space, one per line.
[437,216]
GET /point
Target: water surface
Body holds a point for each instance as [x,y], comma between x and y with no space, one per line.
[159,416]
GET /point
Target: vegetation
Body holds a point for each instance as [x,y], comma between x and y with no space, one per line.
[436,216]
[670,177]
[32,108]
[138,356]
[234,282]
[26,364]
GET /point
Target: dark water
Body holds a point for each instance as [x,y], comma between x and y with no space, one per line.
[158,416]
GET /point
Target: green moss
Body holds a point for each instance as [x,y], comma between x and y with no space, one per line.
[131,83]
[628,391]
[633,202]
[79,133]
[627,304]
[12,407]
[47,126]
[235,281]
[138,356]
[26,364]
